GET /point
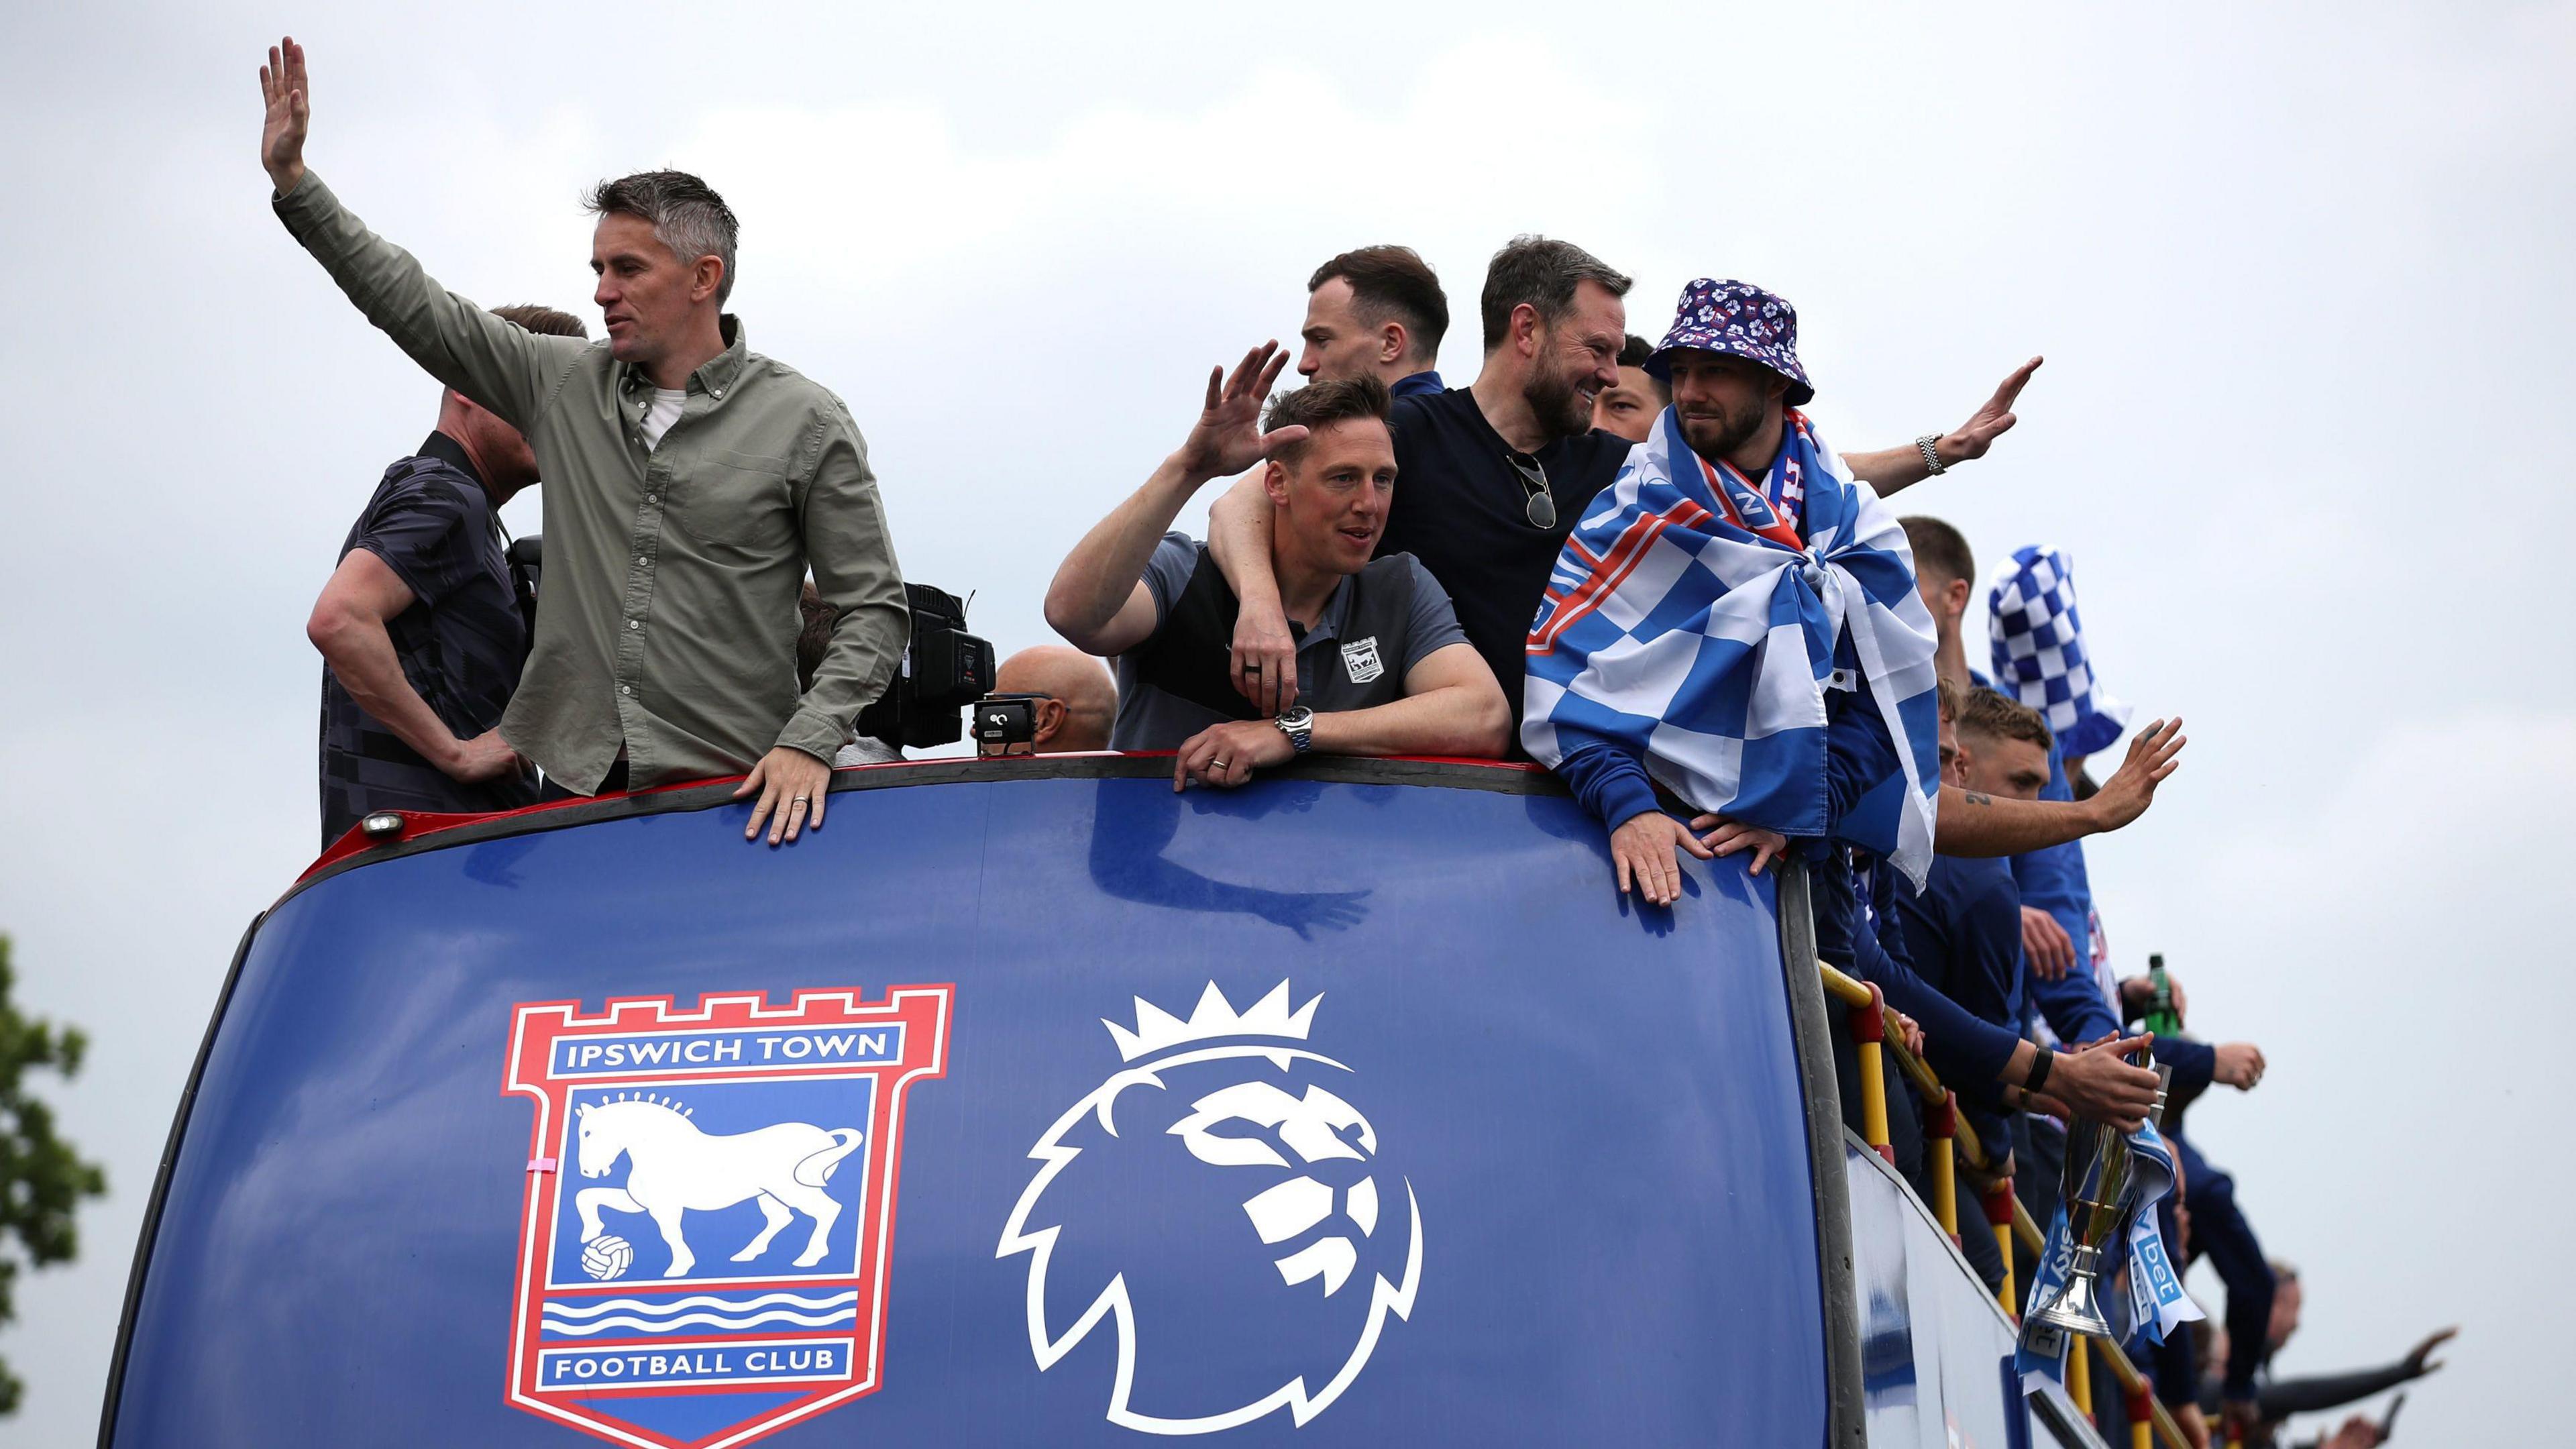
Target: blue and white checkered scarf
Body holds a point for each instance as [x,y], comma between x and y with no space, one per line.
[2039,652]
[1680,625]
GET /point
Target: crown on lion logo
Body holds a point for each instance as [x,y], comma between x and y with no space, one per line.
[1214,1016]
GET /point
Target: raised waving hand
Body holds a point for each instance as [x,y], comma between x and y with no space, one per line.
[288,94]
[2154,753]
[1990,421]
[1227,437]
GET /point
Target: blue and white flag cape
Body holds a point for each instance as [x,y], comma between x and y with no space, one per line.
[1686,623]
[2156,1300]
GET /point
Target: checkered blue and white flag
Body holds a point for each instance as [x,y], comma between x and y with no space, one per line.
[2039,654]
[1685,623]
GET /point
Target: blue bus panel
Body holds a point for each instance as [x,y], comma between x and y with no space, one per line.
[1936,1350]
[1027,1111]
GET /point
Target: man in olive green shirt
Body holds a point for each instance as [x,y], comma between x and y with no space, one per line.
[690,484]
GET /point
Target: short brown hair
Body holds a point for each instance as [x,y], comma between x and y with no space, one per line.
[1393,281]
[544,321]
[1987,713]
[1320,405]
[1543,273]
[1947,695]
[1939,547]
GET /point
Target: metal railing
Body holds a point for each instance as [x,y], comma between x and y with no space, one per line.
[1951,1147]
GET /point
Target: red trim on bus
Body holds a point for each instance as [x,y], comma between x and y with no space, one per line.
[417,823]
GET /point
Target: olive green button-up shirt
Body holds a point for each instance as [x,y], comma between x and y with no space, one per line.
[667,625]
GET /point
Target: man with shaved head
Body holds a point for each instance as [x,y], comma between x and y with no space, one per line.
[1077,700]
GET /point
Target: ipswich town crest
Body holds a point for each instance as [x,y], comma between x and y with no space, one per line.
[1219,1212]
[710,1206]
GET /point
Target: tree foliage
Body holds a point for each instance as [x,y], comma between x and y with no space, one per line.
[42,1180]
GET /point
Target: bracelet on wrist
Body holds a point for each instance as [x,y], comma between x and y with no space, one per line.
[2039,1070]
[1931,453]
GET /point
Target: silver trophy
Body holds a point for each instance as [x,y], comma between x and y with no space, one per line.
[2100,1191]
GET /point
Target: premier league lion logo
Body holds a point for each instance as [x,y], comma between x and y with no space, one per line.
[1224,1206]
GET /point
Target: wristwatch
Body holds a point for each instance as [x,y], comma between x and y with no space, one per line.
[1931,454]
[1299,726]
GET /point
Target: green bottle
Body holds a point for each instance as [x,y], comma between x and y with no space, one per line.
[2162,1019]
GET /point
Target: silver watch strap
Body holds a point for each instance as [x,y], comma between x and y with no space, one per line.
[1931,454]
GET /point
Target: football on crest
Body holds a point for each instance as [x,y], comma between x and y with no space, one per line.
[607,1256]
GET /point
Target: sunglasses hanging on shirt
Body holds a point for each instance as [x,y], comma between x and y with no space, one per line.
[1541,507]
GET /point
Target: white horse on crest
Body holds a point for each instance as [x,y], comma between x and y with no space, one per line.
[676,1168]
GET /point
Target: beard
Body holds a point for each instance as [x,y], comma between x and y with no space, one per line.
[1556,400]
[1717,438]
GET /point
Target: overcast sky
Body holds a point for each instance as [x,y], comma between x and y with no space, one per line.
[2299,272]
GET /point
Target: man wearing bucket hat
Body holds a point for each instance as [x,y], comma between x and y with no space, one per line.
[1643,666]
[1737,621]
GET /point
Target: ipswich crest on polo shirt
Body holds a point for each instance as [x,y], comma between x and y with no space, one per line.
[710,1207]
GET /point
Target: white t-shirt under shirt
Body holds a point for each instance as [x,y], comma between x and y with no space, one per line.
[664,411]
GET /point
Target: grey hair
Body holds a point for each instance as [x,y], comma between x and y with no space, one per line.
[686,215]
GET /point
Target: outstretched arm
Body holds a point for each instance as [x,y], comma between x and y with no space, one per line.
[499,364]
[1890,470]
[1975,824]
[1097,601]
[2281,1398]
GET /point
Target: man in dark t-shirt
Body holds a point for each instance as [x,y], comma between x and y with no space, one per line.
[1505,467]
[421,629]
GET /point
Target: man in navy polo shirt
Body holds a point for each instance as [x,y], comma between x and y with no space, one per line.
[1381,657]
[421,629]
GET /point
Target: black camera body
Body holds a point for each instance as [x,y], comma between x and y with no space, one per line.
[944,670]
[1006,724]
[527,560]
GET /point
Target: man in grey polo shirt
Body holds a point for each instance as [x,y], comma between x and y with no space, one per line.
[690,483]
[1382,666]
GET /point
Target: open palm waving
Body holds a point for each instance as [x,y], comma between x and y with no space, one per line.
[1227,437]
[1988,422]
[289,96]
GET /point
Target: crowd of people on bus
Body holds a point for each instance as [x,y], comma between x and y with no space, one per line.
[1634,562]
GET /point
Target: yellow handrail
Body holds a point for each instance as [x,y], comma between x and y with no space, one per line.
[1927,1083]
[1860,996]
